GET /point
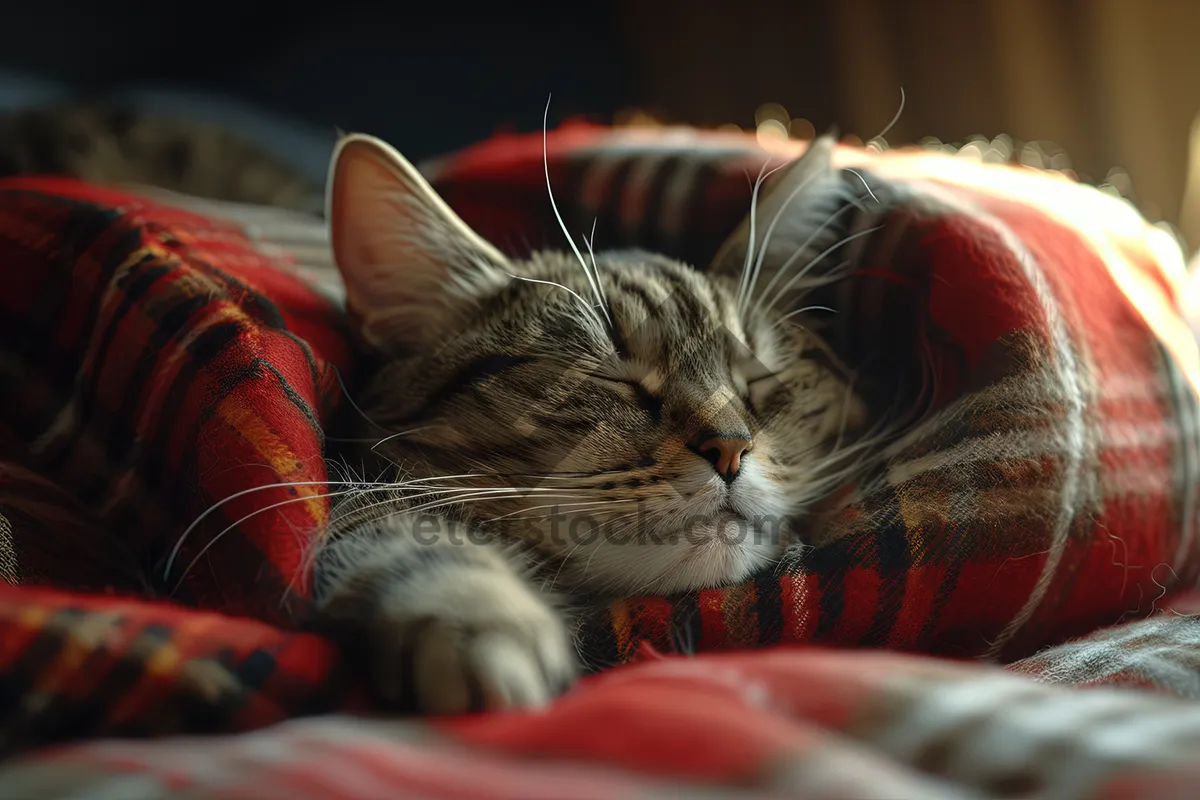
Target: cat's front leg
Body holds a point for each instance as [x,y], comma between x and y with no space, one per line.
[447,619]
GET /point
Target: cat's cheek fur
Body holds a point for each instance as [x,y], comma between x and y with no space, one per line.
[448,623]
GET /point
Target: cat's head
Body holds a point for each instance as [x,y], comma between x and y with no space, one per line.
[637,422]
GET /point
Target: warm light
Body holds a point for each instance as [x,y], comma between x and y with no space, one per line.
[771,112]
[972,150]
[802,129]
[771,132]
[635,118]
[1031,156]
[1119,180]
[1000,150]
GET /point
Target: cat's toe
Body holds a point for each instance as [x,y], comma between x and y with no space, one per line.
[504,650]
[501,668]
[511,673]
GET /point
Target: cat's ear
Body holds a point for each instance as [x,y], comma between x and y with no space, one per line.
[790,209]
[413,270]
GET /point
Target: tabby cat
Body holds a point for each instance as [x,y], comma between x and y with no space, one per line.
[612,425]
[558,427]
[118,145]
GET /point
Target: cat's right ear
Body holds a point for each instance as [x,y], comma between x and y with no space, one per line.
[789,211]
[413,270]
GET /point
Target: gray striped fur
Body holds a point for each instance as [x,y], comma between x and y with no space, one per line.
[538,427]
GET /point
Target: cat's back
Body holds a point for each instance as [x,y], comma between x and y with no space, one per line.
[112,145]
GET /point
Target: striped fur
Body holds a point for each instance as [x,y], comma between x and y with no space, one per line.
[203,376]
[117,146]
[555,421]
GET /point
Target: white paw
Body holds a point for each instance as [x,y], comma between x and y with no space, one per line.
[489,643]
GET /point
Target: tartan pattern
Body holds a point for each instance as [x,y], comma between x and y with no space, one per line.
[80,666]
[157,360]
[1053,490]
[783,722]
[1161,653]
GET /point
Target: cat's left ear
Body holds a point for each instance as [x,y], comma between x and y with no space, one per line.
[790,209]
[413,270]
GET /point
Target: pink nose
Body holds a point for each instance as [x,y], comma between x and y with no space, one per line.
[723,452]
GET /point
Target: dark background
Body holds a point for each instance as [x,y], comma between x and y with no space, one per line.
[430,81]
[1114,82]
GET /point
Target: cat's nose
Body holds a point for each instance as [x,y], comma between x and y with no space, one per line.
[723,451]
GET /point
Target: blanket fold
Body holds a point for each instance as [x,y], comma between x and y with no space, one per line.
[167,377]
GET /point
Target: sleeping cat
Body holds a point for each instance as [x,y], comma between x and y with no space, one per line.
[553,428]
[619,424]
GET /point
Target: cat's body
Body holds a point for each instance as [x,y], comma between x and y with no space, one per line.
[636,427]
[558,427]
[122,146]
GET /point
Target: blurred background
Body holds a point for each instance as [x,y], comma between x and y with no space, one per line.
[1113,84]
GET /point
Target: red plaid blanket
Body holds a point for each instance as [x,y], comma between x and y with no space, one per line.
[156,360]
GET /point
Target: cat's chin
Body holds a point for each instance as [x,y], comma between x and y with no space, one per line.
[717,550]
[728,550]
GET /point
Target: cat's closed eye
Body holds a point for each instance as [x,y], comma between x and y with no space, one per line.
[645,399]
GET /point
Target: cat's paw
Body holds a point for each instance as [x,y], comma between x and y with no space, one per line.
[488,643]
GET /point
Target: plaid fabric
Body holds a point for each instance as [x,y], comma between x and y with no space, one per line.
[781,722]
[157,360]
[1054,490]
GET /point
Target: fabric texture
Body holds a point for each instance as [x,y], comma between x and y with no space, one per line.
[1054,487]
[161,366]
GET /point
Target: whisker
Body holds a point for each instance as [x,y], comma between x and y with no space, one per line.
[799,250]
[520,512]
[762,248]
[743,286]
[895,119]
[336,515]
[465,496]
[866,185]
[233,526]
[590,308]
[346,394]
[398,487]
[782,292]
[799,311]
[398,434]
[563,562]
[213,508]
[592,280]
[590,242]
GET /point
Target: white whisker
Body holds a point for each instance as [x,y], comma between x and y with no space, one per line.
[592,280]
[866,185]
[213,508]
[743,285]
[591,310]
[762,248]
[800,275]
[521,512]
[590,242]
[398,434]
[799,311]
[895,119]
[779,274]
[222,533]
